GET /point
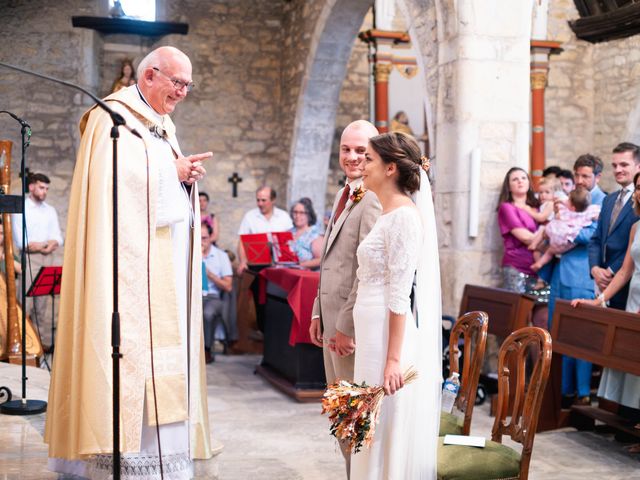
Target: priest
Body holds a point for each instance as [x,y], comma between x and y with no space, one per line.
[164,423]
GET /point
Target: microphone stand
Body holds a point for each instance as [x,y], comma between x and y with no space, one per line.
[23,406]
[118,121]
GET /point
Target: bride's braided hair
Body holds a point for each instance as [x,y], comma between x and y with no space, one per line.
[403,150]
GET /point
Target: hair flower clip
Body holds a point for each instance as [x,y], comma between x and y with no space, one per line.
[426,163]
[357,194]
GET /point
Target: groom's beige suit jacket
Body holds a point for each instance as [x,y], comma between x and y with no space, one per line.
[338,282]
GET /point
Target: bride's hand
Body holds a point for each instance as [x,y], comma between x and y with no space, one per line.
[583,301]
[393,377]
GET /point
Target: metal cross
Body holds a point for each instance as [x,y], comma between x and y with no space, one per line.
[234,180]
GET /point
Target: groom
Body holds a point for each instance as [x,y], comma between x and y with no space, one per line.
[352,218]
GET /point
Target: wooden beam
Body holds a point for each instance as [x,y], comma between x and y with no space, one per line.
[621,23]
[110,25]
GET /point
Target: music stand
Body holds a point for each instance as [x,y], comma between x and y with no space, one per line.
[47,282]
[257,248]
[283,253]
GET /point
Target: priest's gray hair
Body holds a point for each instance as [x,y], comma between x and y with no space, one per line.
[158,58]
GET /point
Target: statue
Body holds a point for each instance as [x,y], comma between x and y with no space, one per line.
[127,76]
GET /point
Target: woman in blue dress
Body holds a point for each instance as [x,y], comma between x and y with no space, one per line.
[307,237]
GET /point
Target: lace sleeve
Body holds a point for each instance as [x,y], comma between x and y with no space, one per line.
[403,239]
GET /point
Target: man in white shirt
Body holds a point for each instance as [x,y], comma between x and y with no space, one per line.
[43,238]
[217,278]
[265,218]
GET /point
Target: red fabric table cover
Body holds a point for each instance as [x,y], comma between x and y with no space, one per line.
[302,286]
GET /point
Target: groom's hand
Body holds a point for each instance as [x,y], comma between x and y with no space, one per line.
[342,344]
[315,332]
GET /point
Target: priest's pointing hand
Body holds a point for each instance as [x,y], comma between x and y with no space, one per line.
[190,168]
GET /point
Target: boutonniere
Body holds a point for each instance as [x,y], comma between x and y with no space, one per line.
[357,194]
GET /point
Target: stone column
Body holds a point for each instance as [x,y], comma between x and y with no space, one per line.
[483,103]
[540,51]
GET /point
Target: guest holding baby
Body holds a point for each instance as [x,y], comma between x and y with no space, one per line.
[516,208]
[570,279]
[587,171]
[549,190]
[573,215]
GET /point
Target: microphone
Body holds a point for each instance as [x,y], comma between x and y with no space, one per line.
[18,119]
[117,119]
[25,126]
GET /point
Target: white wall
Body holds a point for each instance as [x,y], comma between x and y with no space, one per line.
[408,94]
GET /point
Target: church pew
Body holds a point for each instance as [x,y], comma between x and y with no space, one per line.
[606,337]
[508,311]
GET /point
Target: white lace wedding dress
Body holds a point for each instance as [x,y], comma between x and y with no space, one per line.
[404,443]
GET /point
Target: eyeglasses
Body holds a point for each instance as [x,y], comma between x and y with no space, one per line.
[178,84]
[298,212]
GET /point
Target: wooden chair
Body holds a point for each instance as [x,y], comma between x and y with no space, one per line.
[473,326]
[497,461]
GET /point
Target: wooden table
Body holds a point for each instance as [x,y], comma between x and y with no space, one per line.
[291,362]
[246,314]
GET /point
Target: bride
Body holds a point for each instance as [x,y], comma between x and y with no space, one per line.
[388,338]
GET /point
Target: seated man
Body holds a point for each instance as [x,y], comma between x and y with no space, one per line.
[217,277]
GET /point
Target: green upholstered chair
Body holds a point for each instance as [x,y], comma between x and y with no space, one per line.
[516,417]
[473,327]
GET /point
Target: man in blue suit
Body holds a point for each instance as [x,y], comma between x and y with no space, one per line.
[570,279]
[608,245]
[587,171]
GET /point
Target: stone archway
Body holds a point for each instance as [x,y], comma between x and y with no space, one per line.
[476,62]
[318,104]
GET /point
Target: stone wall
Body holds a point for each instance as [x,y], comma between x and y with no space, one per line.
[236,48]
[569,97]
[49,45]
[330,47]
[301,29]
[353,105]
[616,76]
[301,21]
[482,102]
[592,96]
[256,63]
